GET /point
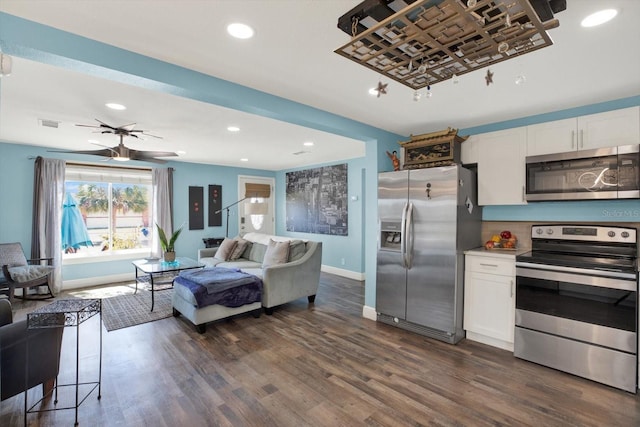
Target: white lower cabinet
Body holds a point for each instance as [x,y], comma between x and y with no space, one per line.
[489,299]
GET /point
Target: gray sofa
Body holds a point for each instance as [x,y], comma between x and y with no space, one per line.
[298,277]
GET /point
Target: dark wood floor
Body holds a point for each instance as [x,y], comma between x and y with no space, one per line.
[318,365]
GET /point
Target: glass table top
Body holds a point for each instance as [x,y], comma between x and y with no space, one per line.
[157,265]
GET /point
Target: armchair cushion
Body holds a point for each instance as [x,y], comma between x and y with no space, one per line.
[26,273]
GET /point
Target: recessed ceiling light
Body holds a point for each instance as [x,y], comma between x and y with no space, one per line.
[244,160]
[373,91]
[308,144]
[181,152]
[240,31]
[233,129]
[115,106]
[599,18]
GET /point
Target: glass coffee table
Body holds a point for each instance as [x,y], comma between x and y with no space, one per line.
[155,271]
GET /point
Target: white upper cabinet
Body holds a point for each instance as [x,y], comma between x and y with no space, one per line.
[608,129]
[617,127]
[501,167]
[469,150]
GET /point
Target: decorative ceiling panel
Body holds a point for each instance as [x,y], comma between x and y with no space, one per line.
[430,41]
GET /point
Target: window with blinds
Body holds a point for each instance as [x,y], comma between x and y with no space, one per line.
[107,211]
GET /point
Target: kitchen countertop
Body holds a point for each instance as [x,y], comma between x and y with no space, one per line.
[506,253]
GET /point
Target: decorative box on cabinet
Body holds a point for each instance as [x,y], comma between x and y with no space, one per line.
[607,129]
[489,298]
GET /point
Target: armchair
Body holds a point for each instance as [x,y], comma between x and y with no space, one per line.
[18,272]
[17,372]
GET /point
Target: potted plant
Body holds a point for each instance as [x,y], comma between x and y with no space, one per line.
[168,245]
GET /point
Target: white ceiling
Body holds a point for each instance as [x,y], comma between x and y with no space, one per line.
[291,56]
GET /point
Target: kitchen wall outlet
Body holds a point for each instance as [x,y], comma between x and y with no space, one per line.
[342,261]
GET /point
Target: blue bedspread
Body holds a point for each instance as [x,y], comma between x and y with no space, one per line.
[224,286]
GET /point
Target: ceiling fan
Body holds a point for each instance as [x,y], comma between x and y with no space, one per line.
[120,152]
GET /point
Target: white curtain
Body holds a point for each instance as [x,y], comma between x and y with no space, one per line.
[46,236]
[162,181]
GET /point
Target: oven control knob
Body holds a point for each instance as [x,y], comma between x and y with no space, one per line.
[611,234]
[550,231]
[538,230]
[625,234]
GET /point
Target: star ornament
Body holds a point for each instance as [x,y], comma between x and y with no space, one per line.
[381,89]
[489,77]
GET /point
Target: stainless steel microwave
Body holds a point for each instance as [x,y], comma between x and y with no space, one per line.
[603,173]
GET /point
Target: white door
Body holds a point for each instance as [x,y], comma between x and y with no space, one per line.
[258,223]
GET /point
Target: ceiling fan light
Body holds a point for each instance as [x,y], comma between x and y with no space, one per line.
[121,159]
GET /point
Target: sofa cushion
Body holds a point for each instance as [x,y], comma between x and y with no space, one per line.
[255,252]
[277,253]
[241,263]
[297,249]
[226,249]
[210,261]
[241,246]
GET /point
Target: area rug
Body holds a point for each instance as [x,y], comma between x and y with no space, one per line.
[123,311]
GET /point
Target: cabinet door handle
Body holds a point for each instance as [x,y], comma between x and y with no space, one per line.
[524,194]
[581,138]
[512,290]
[573,136]
[489,265]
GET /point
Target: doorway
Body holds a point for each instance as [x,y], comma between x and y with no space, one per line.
[264,220]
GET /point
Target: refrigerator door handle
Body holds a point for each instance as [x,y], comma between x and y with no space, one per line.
[403,235]
[409,236]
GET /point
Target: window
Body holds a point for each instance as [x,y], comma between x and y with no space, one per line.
[257,220]
[107,211]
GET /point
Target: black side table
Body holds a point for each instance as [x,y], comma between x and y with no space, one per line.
[60,314]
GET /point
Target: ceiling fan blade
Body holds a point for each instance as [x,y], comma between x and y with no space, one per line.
[150,154]
[89,126]
[103,124]
[107,152]
[154,136]
[130,125]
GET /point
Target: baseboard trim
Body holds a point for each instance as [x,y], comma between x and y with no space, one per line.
[369,313]
[342,272]
[103,280]
[96,281]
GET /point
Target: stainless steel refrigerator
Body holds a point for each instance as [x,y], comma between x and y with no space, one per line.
[427,218]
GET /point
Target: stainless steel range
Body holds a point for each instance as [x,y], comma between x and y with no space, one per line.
[577,302]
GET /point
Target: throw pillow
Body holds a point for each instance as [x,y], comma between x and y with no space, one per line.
[277,253]
[226,249]
[25,273]
[297,249]
[241,246]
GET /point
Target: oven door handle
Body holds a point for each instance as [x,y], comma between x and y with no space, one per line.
[571,277]
[575,270]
